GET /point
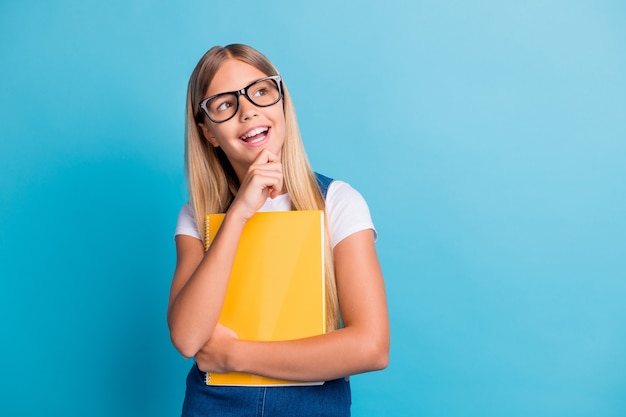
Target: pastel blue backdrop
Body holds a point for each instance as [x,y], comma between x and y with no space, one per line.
[487,136]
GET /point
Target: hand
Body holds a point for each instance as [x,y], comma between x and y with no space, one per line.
[213,356]
[263,179]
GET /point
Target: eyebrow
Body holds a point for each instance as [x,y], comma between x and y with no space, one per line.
[239,89]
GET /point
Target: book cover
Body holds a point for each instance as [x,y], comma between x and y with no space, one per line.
[276,289]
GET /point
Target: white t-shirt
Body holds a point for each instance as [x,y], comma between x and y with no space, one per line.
[346,209]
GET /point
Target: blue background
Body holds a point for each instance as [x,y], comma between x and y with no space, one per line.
[487,136]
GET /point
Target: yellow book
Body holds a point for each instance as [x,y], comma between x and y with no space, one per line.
[276,289]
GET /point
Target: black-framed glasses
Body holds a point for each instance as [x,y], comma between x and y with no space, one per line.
[263,93]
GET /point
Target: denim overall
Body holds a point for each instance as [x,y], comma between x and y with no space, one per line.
[332,398]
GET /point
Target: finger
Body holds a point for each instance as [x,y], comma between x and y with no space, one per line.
[260,175]
[269,177]
[266,175]
[227,331]
[265,156]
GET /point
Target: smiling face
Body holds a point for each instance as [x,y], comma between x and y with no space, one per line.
[253,128]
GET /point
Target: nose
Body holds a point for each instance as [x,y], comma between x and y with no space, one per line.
[247,109]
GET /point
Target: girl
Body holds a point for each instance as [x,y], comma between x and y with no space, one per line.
[244,154]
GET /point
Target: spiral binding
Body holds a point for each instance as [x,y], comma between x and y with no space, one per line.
[207,243]
[207,233]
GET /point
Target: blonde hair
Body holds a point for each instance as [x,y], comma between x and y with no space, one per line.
[211,179]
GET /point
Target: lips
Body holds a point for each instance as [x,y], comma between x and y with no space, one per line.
[255,135]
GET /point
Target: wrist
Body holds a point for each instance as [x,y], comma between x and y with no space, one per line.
[237,215]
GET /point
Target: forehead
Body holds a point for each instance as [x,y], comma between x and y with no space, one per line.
[233,75]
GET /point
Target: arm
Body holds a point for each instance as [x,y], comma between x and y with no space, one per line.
[200,280]
[199,286]
[361,346]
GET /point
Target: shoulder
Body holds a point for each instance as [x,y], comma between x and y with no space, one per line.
[342,191]
[186,224]
[347,211]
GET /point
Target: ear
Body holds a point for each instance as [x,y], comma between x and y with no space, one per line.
[208,135]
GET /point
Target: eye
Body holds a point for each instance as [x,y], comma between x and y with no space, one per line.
[261,91]
[222,103]
[224,106]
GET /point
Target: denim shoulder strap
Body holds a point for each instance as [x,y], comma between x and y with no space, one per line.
[323,182]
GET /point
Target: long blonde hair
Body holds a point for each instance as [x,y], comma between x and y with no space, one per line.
[211,179]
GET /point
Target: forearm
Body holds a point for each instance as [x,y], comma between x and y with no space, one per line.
[195,310]
[341,353]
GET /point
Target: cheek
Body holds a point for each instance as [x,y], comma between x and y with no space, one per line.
[218,135]
[281,122]
[280,131]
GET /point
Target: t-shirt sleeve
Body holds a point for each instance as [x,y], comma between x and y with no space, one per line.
[347,212]
[186,224]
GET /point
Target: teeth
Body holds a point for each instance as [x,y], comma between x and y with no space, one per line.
[254,132]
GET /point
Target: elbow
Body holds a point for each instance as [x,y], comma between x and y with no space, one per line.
[382,361]
[186,339]
[183,342]
[379,359]
[377,355]
[188,350]
[380,350]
